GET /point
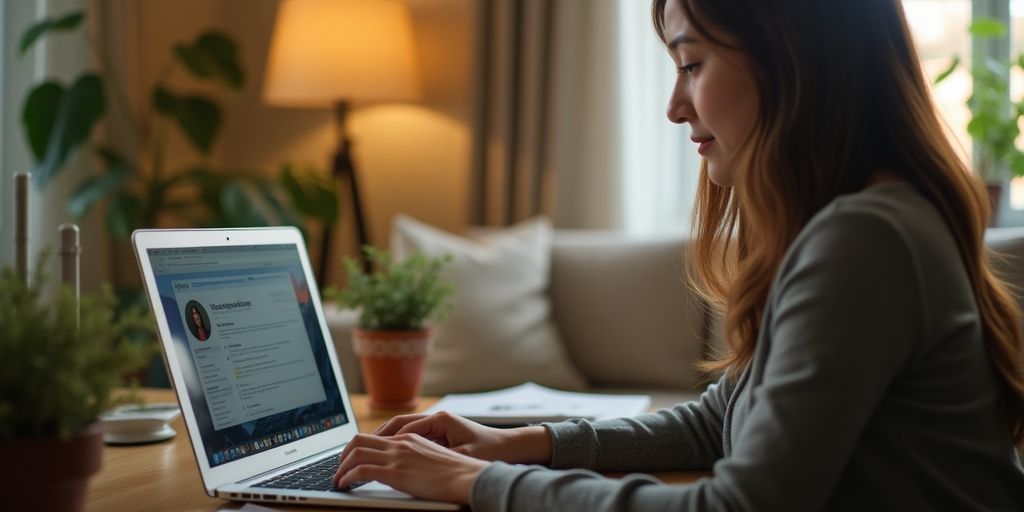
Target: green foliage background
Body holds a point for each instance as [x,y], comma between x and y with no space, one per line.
[995,117]
[138,191]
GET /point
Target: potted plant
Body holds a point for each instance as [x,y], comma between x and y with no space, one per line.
[994,125]
[396,302]
[60,360]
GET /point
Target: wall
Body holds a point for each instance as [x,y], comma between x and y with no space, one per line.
[412,158]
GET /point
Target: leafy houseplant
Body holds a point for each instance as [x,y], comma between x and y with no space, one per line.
[137,188]
[60,360]
[995,116]
[393,338]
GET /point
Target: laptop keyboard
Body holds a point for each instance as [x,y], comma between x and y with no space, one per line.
[313,477]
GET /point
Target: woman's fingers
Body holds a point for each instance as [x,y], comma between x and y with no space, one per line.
[360,440]
[395,424]
[360,456]
[412,464]
[431,427]
[363,473]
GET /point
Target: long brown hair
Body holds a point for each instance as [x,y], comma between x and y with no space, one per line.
[842,95]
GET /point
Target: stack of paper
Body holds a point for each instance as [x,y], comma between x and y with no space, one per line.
[531,403]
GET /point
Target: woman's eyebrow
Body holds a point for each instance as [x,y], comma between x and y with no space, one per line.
[682,38]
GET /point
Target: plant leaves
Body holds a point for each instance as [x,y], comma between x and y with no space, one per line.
[91,190]
[80,108]
[213,55]
[253,202]
[953,64]
[123,215]
[237,208]
[988,28]
[317,198]
[94,188]
[281,210]
[64,23]
[71,352]
[164,101]
[1017,163]
[198,117]
[39,114]
[400,294]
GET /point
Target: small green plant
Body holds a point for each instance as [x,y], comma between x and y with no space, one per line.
[400,295]
[994,125]
[60,363]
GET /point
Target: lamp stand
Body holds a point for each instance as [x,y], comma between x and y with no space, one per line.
[344,169]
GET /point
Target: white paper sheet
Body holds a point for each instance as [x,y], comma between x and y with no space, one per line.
[532,403]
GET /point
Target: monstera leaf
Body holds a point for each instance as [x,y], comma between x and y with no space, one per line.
[57,24]
[214,55]
[198,117]
[58,120]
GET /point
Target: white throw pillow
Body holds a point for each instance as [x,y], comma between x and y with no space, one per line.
[501,332]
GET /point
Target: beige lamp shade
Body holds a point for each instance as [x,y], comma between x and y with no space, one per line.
[326,51]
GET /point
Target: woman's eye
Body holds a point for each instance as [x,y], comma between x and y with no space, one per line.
[688,69]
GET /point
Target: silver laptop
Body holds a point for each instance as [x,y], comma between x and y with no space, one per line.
[253,366]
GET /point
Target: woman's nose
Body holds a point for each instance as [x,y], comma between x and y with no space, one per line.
[680,110]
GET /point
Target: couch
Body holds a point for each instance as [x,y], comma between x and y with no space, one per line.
[626,317]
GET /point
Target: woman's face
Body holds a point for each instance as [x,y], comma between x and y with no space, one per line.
[714,92]
[197,319]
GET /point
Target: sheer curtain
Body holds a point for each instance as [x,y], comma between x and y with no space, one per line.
[658,163]
[620,163]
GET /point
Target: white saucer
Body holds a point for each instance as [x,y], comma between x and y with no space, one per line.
[139,437]
[132,424]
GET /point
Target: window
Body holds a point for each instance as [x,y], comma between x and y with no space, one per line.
[940,31]
[660,166]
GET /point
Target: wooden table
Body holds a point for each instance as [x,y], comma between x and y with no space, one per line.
[164,476]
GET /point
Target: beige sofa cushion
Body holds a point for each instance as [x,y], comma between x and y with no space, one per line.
[1007,245]
[501,332]
[625,312]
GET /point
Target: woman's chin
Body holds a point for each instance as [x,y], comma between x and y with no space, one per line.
[719,176]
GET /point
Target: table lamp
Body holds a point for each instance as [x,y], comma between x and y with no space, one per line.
[332,54]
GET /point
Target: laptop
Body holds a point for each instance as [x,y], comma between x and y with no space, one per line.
[253,366]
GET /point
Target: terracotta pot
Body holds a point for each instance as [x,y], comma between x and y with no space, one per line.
[392,363]
[48,474]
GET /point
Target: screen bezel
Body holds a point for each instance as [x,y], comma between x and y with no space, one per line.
[235,471]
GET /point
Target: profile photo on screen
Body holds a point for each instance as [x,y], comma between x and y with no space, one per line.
[198,320]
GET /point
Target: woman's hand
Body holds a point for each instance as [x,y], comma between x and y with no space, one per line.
[519,446]
[409,463]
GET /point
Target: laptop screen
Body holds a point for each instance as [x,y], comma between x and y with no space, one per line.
[253,355]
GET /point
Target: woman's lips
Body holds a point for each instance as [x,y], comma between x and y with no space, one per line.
[705,146]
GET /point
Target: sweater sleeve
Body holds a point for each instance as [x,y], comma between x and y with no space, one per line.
[847,308]
[685,436]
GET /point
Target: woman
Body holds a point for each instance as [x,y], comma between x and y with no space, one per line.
[198,327]
[875,361]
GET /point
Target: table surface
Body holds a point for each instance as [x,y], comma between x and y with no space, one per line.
[164,476]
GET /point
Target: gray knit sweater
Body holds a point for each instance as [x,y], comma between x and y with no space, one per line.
[870,389]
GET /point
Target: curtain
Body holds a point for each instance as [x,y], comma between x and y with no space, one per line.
[569,118]
[511,100]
